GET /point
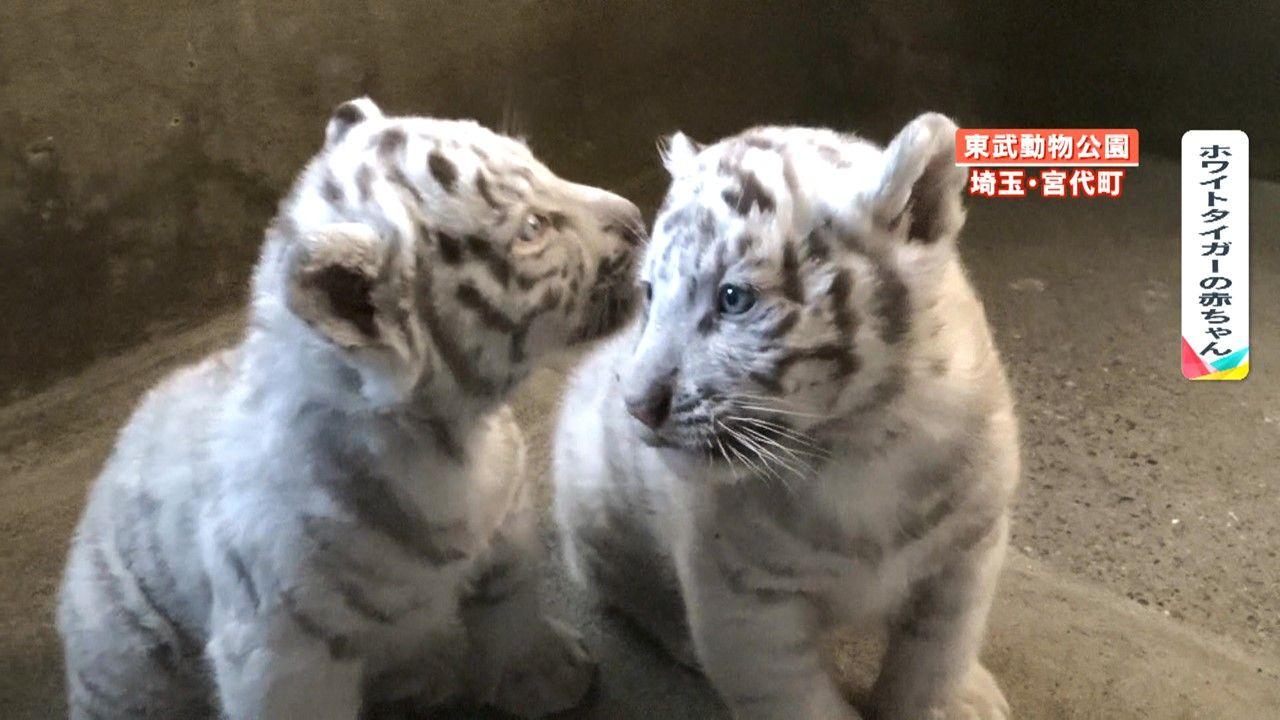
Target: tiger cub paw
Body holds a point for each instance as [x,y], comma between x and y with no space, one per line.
[979,698]
[553,673]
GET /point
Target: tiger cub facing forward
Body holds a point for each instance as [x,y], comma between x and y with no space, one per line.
[333,515]
[808,426]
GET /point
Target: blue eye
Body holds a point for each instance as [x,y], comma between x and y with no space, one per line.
[736,299]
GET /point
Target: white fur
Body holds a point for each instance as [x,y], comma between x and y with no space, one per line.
[743,566]
[325,517]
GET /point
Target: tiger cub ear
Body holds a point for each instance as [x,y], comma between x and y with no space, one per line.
[921,183]
[337,284]
[348,115]
[679,154]
[345,282]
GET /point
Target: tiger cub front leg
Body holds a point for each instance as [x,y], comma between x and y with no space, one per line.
[759,647]
[277,664]
[526,664]
[931,669]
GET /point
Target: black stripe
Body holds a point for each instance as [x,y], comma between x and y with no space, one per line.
[892,303]
[450,248]
[706,225]
[735,580]
[684,403]
[330,189]
[883,392]
[98,695]
[932,606]
[770,383]
[919,525]
[856,548]
[977,534]
[459,365]
[498,583]
[754,193]
[390,143]
[95,698]
[760,142]
[846,361]
[516,351]
[815,527]
[527,282]
[148,506]
[678,219]
[816,247]
[841,292]
[397,176]
[158,649]
[443,170]
[833,156]
[630,235]
[783,326]
[115,595]
[523,173]
[486,253]
[376,507]
[608,267]
[444,438]
[188,646]
[547,303]
[339,646]
[332,543]
[792,288]
[471,298]
[482,186]
[750,193]
[244,578]
[364,182]
[789,175]
[359,603]
[559,221]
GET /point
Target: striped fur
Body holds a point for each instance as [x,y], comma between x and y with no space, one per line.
[333,514]
[844,450]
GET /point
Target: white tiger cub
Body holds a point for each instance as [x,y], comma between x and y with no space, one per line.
[808,427]
[332,516]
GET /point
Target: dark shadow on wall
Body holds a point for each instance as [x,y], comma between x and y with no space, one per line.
[1163,68]
[143,146]
[133,254]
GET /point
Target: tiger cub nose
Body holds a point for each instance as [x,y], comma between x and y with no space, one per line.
[623,219]
[652,406]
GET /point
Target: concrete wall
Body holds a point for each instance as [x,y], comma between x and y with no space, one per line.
[143,145]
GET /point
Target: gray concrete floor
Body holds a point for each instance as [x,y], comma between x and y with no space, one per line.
[1108,609]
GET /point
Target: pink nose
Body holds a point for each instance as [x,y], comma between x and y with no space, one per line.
[652,407]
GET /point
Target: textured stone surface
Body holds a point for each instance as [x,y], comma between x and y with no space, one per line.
[143,146]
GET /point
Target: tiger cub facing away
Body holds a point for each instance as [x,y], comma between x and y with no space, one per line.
[808,426]
[333,516]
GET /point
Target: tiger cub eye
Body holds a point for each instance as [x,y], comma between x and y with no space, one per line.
[736,299]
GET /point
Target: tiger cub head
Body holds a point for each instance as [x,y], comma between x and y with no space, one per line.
[435,258]
[785,267]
